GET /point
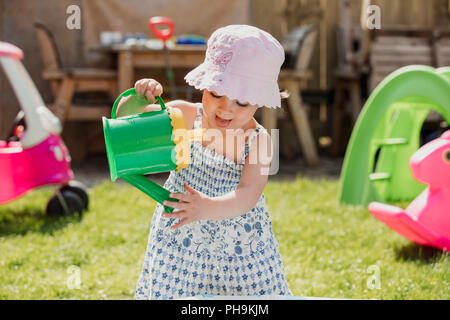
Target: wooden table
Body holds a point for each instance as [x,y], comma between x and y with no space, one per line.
[130,58]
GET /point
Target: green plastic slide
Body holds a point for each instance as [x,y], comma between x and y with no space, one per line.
[387,133]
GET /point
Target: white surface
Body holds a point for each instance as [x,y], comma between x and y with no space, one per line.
[264,297]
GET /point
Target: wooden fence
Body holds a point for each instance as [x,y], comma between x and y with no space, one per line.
[277,17]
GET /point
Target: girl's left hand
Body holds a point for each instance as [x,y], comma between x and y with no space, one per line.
[192,206]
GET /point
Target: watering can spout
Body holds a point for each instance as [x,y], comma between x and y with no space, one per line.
[150,188]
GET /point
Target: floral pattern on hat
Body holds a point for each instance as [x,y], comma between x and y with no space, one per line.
[223,60]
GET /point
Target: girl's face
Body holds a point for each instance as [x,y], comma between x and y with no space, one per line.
[223,113]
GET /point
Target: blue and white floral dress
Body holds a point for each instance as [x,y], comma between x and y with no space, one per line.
[238,256]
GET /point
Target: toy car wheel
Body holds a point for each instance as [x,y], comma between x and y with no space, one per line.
[78,188]
[65,203]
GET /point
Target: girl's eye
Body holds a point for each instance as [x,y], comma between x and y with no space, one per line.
[237,102]
[241,104]
[215,95]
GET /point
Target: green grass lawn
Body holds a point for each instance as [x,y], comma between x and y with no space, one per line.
[328,250]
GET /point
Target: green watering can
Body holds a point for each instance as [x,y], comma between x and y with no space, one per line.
[142,143]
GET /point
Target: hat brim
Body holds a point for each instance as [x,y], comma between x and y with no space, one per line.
[235,86]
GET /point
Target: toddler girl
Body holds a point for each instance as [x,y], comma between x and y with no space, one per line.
[219,238]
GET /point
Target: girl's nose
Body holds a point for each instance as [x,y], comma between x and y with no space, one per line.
[225,105]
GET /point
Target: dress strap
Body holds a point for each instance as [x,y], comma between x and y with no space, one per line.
[250,140]
[198,117]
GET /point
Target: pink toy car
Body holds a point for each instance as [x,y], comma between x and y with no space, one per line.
[427,218]
[34,154]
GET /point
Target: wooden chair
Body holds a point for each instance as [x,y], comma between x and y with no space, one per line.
[65,82]
[351,66]
[298,45]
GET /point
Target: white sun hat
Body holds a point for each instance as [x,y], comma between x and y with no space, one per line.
[242,62]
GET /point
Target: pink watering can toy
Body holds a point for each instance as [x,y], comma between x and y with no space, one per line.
[427,218]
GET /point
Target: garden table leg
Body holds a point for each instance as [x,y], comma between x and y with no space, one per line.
[126,71]
[301,122]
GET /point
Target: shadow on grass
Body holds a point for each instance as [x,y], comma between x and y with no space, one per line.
[417,252]
[32,220]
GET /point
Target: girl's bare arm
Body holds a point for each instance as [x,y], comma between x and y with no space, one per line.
[251,186]
[150,88]
[188,109]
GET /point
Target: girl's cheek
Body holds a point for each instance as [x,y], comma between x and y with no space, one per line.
[246,113]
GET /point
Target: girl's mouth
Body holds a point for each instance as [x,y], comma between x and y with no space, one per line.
[222,123]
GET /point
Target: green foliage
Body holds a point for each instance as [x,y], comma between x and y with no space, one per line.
[328,250]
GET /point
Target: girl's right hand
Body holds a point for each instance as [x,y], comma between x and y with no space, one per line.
[149,88]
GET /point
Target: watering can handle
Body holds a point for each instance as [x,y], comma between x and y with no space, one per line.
[163,34]
[128,92]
